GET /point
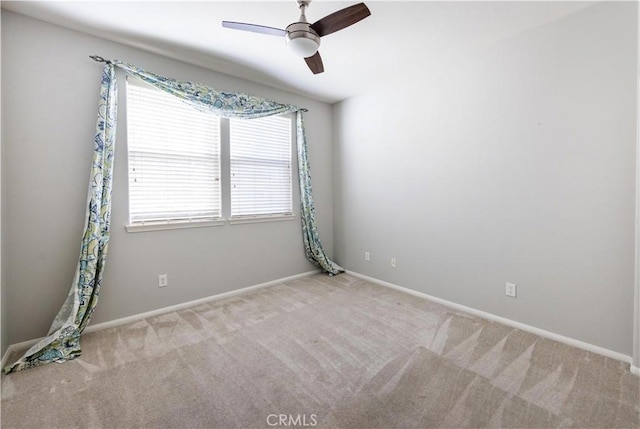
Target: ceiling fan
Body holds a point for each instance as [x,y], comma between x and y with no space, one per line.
[303,38]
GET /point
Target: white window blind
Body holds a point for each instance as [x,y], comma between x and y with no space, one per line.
[260,160]
[174,158]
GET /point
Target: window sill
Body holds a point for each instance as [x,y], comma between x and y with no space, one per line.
[258,219]
[159,226]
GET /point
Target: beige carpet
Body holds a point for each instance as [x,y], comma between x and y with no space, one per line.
[339,352]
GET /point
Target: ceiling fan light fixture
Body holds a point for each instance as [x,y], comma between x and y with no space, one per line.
[302,40]
[302,46]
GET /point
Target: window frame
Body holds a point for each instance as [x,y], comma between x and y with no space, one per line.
[239,218]
[225,185]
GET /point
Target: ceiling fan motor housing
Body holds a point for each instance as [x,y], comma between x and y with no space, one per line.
[302,39]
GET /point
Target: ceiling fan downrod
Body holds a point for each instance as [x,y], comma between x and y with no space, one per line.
[303,5]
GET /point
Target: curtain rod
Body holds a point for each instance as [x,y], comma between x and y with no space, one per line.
[99,59]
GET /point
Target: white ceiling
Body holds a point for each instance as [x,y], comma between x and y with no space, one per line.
[396,38]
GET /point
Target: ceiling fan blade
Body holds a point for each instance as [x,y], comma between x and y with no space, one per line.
[341,19]
[315,63]
[254,28]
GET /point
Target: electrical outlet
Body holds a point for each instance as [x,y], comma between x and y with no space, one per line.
[394,263]
[367,256]
[163,280]
[510,290]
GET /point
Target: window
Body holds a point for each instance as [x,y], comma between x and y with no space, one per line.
[192,168]
[174,159]
[260,159]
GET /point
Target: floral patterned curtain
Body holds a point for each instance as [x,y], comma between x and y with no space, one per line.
[312,245]
[63,341]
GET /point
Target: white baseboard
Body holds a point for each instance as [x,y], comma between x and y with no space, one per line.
[528,328]
[140,316]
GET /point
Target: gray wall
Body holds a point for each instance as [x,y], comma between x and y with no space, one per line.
[50,90]
[510,164]
[4,325]
[636,320]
